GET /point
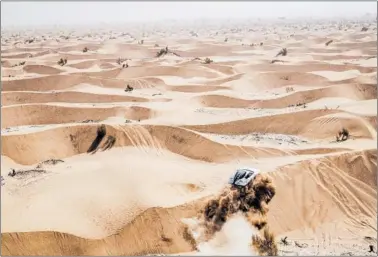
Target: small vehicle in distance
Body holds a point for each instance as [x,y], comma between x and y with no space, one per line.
[242,177]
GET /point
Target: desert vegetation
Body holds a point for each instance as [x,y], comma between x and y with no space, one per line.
[129,88]
[342,135]
[62,62]
[328,42]
[208,60]
[282,52]
[289,89]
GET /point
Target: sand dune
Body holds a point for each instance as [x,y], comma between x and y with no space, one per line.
[320,200]
[41,69]
[134,72]
[304,123]
[16,56]
[350,91]
[14,98]
[195,89]
[38,114]
[350,179]
[100,159]
[305,67]
[78,139]
[60,82]
[89,64]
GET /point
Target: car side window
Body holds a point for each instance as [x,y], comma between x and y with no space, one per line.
[249,174]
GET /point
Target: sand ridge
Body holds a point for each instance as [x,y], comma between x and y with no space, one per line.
[115,151]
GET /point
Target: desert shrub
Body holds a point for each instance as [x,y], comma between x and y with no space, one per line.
[49,162]
[285,77]
[162,52]
[328,42]
[364,29]
[21,173]
[62,62]
[129,88]
[85,49]
[289,89]
[284,241]
[208,60]
[265,245]
[282,52]
[275,60]
[342,135]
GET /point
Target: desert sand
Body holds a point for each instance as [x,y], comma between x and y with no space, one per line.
[183,127]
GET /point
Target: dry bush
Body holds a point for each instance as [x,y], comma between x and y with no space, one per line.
[29,41]
[275,60]
[328,42]
[19,64]
[208,60]
[289,89]
[364,29]
[284,241]
[49,162]
[120,60]
[342,135]
[62,62]
[193,34]
[165,51]
[162,52]
[89,121]
[304,105]
[266,245]
[285,77]
[85,49]
[21,173]
[129,88]
[282,52]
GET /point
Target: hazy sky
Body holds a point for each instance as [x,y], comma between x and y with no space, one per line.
[67,13]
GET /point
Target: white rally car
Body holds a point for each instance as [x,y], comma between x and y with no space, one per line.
[242,177]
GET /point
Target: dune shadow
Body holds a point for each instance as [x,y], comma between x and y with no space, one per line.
[101,133]
[109,143]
